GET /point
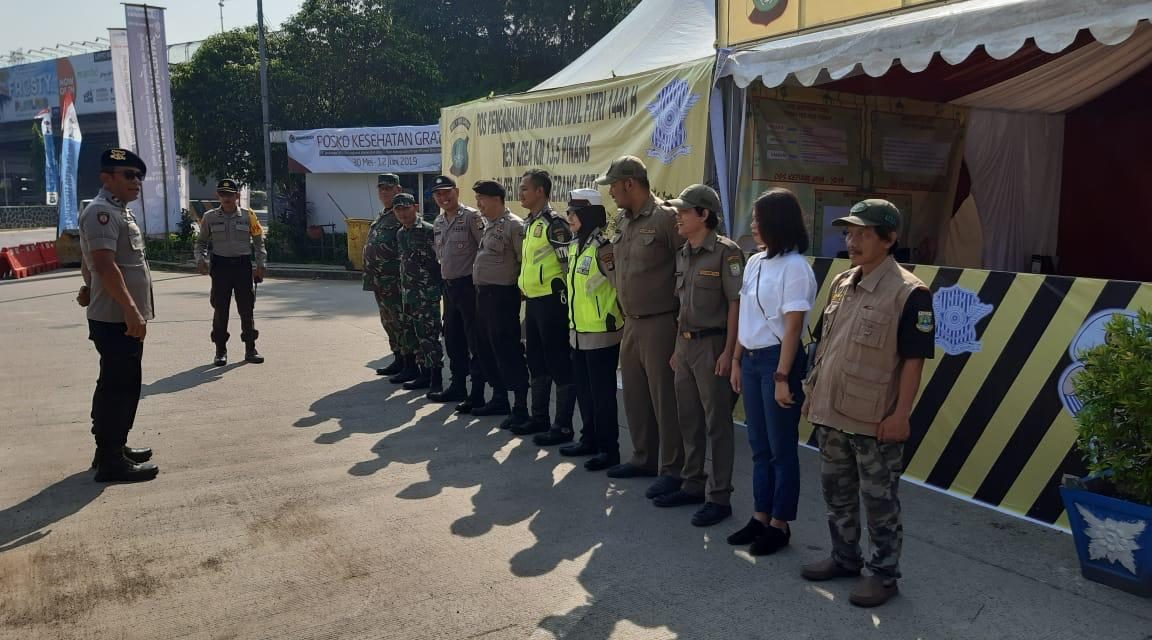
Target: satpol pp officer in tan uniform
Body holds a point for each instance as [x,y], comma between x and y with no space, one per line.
[876,332]
[709,274]
[645,246]
[235,234]
[118,294]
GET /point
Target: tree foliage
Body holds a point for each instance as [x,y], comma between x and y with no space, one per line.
[348,63]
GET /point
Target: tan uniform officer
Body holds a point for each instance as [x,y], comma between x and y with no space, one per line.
[709,273]
[645,246]
[235,235]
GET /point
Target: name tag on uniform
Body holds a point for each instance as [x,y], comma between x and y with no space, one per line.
[647,232]
[715,274]
[585,266]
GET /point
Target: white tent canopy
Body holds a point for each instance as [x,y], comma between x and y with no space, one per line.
[656,34]
[954,31]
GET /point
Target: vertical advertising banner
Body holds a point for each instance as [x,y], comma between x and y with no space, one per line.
[122,88]
[575,132]
[69,159]
[51,175]
[159,201]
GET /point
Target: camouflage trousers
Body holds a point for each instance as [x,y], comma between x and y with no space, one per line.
[421,329]
[854,467]
[391,317]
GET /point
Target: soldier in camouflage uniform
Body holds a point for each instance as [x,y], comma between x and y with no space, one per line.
[382,277]
[420,287]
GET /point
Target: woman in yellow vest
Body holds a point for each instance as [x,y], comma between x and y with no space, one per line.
[596,324]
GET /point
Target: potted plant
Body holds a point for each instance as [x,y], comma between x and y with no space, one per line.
[1110,512]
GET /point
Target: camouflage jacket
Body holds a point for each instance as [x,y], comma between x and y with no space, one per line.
[420,281]
[381,256]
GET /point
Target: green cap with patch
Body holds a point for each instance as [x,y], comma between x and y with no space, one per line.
[698,195]
[403,200]
[387,180]
[623,168]
[872,212]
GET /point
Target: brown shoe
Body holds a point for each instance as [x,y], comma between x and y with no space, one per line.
[873,591]
[826,569]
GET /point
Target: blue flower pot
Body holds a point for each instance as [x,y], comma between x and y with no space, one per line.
[1113,539]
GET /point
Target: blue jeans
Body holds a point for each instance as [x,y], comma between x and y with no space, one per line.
[773,432]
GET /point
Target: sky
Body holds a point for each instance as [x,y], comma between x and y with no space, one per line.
[61,21]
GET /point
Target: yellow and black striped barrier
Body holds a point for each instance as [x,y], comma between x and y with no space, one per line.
[994,420]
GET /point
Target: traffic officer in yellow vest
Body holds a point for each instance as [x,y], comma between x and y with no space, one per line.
[495,273]
[877,329]
[645,245]
[709,274]
[542,275]
[235,234]
[597,325]
[118,294]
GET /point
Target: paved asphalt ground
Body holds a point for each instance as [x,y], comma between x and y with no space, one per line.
[307,498]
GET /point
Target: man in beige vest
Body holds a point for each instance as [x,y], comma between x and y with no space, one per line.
[878,329]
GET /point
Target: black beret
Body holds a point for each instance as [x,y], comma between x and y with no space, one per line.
[489,188]
[122,158]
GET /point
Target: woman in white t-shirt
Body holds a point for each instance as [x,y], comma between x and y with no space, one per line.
[777,294]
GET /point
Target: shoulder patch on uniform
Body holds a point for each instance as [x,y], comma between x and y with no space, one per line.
[735,265]
[925,321]
[102,217]
[608,259]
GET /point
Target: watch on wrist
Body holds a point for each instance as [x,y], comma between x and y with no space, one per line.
[780,377]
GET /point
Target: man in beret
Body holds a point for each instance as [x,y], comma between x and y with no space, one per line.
[234,234]
[420,287]
[878,328]
[382,278]
[495,273]
[459,229]
[117,292]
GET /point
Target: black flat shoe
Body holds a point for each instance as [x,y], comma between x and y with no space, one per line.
[137,455]
[754,529]
[710,514]
[678,498]
[553,437]
[772,541]
[602,461]
[578,449]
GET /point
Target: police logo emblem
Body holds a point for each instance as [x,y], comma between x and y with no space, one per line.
[585,266]
[102,218]
[925,322]
[735,266]
[539,232]
[117,154]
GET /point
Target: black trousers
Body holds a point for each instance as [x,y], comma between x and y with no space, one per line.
[461,331]
[118,388]
[498,312]
[546,338]
[594,376]
[232,277]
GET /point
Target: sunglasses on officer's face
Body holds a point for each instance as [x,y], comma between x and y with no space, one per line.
[132,175]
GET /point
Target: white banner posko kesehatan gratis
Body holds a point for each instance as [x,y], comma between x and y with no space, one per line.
[152,113]
[409,149]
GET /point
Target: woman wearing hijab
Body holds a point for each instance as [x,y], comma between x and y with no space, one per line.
[596,324]
[777,294]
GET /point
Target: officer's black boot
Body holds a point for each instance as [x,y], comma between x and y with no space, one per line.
[561,431]
[497,406]
[436,383]
[456,391]
[408,373]
[112,466]
[141,454]
[221,355]
[475,398]
[251,354]
[541,390]
[422,380]
[518,420]
[396,367]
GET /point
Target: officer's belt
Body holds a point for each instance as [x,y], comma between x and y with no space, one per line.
[462,281]
[649,315]
[703,333]
[218,259]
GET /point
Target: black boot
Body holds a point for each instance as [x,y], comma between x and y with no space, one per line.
[517,421]
[141,454]
[221,355]
[475,399]
[423,379]
[435,383]
[114,467]
[396,367]
[408,373]
[497,406]
[454,393]
[250,353]
[554,437]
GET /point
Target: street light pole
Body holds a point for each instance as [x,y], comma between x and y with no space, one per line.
[268,187]
[221,16]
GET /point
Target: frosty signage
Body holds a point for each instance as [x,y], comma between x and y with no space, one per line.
[366,150]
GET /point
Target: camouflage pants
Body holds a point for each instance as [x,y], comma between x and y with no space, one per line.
[854,466]
[421,329]
[391,315]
